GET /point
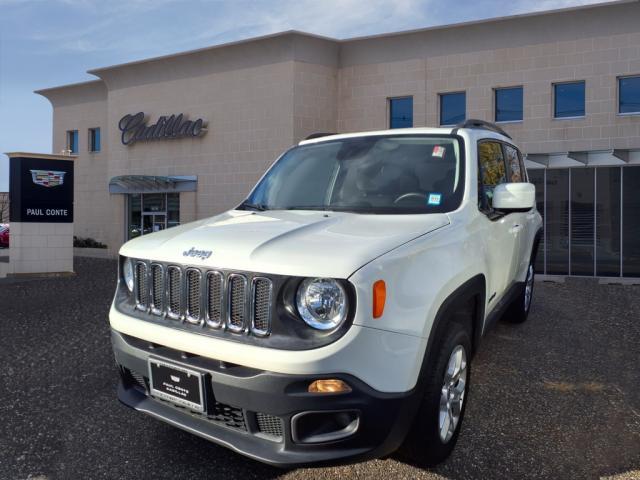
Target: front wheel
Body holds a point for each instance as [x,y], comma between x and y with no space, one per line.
[437,424]
[518,311]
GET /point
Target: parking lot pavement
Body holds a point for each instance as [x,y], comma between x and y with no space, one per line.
[556,397]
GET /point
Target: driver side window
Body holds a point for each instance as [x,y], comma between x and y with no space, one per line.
[491,172]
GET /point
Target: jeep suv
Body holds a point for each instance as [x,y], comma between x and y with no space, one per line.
[333,315]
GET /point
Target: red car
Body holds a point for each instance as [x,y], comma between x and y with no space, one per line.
[4,236]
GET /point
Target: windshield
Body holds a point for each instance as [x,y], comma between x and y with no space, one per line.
[374,174]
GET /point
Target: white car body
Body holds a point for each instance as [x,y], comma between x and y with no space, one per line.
[422,258]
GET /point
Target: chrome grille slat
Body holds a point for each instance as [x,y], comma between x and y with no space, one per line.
[261,302]
[215,295]
[174,292]
[237,303]
[141,286]
[157,289]
[193,295]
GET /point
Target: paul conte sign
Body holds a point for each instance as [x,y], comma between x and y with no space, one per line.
[40,190]
[134,128]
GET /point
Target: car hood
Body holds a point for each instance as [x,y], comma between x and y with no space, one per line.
[300,243]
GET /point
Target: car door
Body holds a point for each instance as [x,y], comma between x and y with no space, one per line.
[501,239]
[523,221]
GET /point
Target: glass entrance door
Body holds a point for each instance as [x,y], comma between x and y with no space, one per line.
[153,222]
[151,212]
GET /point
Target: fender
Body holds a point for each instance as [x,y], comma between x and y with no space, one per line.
[472,289]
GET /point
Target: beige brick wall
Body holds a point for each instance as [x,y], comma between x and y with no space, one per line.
[80,108]
[314,99]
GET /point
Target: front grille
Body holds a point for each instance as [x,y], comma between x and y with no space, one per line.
[261,306]
[157,289]
[136,379]
[142,292]
[215,289]
[227,415]
[269,425]
[236,302]
[193,296]
[174,292]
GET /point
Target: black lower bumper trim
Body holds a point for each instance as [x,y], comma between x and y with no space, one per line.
[268,402]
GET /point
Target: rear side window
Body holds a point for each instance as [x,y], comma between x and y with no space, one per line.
[515,172]
[492,171]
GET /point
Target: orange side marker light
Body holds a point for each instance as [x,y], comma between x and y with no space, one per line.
[379,297]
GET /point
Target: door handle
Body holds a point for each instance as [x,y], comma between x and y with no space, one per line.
[516,228]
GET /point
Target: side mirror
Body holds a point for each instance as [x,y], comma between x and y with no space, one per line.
[514,196]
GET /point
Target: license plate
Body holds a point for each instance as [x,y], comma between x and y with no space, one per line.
[176,384]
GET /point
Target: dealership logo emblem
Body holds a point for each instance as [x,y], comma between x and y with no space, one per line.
[47,178]
[201,254]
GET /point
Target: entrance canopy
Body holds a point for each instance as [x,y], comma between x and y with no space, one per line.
[153,184]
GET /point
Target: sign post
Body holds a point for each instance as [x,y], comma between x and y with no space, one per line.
[40,213]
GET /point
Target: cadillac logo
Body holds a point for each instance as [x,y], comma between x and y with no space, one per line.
[47,178]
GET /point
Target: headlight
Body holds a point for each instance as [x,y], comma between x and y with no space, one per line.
[322,303]
[127,273]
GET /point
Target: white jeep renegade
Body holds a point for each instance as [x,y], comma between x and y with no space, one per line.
[333,315]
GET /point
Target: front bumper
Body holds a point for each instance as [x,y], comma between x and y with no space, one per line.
[269,416]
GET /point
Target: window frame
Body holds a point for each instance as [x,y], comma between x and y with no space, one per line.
[90,140]
[69,143]
[491,212]
[554,97]
[389,110]
[495,104]
[443,94]
[619,103]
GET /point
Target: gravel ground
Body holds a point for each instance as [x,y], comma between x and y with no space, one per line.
[556,397]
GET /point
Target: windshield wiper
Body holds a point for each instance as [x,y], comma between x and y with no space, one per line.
[252,206]
[310,207]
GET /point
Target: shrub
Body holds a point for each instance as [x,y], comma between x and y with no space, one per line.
[80,242]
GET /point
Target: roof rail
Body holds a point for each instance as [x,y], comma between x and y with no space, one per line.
[483,124]
[319,134]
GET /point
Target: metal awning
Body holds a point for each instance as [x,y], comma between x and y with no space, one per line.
[153,184]
[595,158]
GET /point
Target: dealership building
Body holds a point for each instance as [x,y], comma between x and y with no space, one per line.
[168,140]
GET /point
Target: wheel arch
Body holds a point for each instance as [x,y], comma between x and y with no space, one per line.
[468,298]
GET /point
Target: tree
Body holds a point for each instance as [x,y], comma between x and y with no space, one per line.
[4,207]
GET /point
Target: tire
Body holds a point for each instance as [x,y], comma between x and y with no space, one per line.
[518,311]
[429,442]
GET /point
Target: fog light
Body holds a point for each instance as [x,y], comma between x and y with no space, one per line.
[329,386]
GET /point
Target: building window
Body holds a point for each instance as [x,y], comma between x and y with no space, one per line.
[568,100]
[508,104]
[453,108]
[152,212]
[629,94]
[94,139]
[401,112]
[72,141]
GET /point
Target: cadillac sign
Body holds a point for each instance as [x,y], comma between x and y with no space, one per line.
[134,128]
[40,189]
[47,178]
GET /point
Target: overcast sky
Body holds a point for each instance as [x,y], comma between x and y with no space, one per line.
[46,43]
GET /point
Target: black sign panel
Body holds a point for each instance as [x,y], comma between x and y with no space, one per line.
[40,190]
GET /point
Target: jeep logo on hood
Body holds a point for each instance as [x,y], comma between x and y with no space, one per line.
[201,254]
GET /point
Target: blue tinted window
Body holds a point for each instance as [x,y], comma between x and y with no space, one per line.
[401,112]
[629,94]
[569,100]
[452,108]
[509,104]
[94,139]
[72,141]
